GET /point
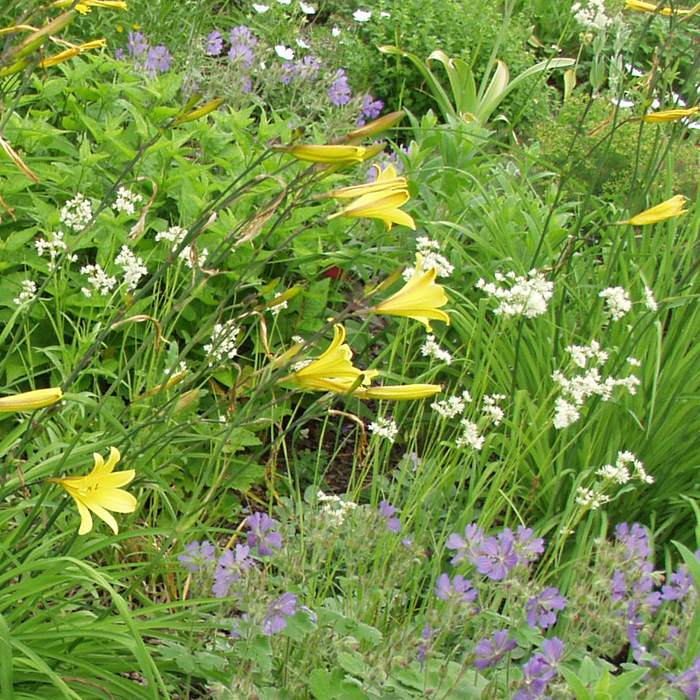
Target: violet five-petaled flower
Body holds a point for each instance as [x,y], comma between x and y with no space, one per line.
[540,669]
[281,608]
[196,555]
[339,92]
[468,546]
[491,650]
[688,682]
[215,43]
[540,609]
[261,534]
[497,555]
[458,590]
[232,565]
[679,585]
[387,511]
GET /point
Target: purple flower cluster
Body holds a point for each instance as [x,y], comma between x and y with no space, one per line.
[386,510]
[495,556]
[215,43]
[339,92]
[371,109]
[306,69]
[262,535]
[540,609]
[243,43]
[540,669]
[152,60]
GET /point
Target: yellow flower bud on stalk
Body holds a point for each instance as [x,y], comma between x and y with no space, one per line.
[666,210]
[669,115]
[30,400]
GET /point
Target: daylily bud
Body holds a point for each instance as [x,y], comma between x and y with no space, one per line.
[666,210]
[200,112]
[30,400]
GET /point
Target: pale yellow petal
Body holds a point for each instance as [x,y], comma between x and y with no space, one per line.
[117,479]
[117,500]
[105,515]
[85,518]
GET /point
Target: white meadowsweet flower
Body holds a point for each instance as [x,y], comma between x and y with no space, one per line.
[362,15]
[493,412]
[617,302]
[134,269]
[385,428]
[27,294]
[307,9]
[223,343]
[649,300]
[176,235]
[432,259]
[432,349]
[470,436]
[54,246]
[591,14]
[182,367]
[126,201]
[522,296]
[564,414]
[589,497]
[449,408]
[617,473]
[284,52]
[98,279]
[581,354]
[77,212]
[335,510]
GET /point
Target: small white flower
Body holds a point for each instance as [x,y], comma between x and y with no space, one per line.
[284,2]
[491,409]
[384,427]
[134,269]
[260,8]
[633,70]
[617,302]
[649,300]
[564,414]
[126,201]
[307,9]
[432,349]
[176,235]
[362,15]
[223,343]
[302,44]
[284,52]
[526,296]
[470,436]
[278,307]
[27,294]
[385,14]
[98,279]
[622,103]
[77,212]
[449,408]
[335,31]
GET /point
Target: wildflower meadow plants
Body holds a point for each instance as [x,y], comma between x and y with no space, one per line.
[305,396]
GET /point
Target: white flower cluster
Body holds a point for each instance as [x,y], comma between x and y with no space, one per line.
[470,436]
[54,246]
[335,509]
[454,406]
[362,15]
[182,367]
[98,279]
[590,497]
[134,269]
[620,474]
[591,14]
[491,409]
[76,212]
[223,343]
[617,302]
[27,294]
[432,349]
[176,234]
[385,428]
[126,201]
[278,307]
[649,300]
[576,390]
[432,259]
[526,296]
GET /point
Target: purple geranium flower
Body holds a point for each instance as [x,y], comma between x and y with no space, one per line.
[635,539]
[491,650]
[215,43]
[339,92]
[459,590]
[371,109]
[680,583]
[137,44]
[540,669]
[197,555]
[618,586]
[688,682]
[527,547]
[467,546]
[387,511]
[283,607]
[497,555]
[158,59]
[540,609]
[260,534]
[232,565]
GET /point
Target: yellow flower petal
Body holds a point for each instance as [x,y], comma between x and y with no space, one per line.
[380,205]
[30,400]
[666,210]
[420,298]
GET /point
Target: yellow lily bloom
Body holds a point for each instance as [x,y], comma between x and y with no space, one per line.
[420,298]
[84,6]
[99,492]
[30,400]
[650,7]
[666,210]
[387,180]
[382,205]
[332,153]
[67,54]
[669,115]
[333,370]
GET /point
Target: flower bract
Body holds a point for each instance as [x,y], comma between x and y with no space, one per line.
[99,492]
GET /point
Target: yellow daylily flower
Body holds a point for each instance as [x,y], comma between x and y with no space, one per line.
[84,6]
[642,6]
[67,54]
[387,180]
[666,210]
[669,115]
[99,492]
[333,370]
[402,392]
[382,205]
[332,153]
[420,298]
[30,400]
